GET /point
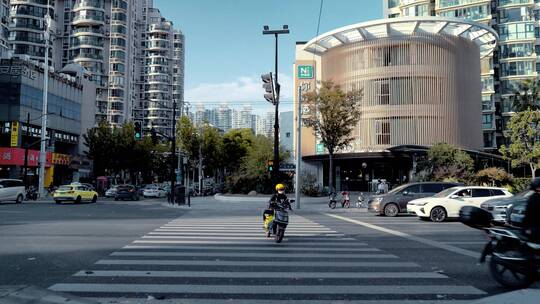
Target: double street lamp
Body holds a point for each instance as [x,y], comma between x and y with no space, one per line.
[272,87]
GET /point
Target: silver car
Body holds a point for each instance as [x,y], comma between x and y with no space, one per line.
[11,190]
[498,206]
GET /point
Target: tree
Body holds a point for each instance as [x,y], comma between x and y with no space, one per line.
[236,143]
[101,147]
[449,163]
[493,177]
[526,96]
[188,140]
[524,134]
[334,115]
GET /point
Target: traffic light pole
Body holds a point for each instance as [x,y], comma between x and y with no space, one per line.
[276,121]
[276,33]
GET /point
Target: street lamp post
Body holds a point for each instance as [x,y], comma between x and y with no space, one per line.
[42,152]
[276,33]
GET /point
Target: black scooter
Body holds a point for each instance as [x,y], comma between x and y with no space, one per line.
[279,220]
[31,194]
[514,260]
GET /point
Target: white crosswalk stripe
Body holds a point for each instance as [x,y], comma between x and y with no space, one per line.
[203,261]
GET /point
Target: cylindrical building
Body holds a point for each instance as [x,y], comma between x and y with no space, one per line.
[420,83]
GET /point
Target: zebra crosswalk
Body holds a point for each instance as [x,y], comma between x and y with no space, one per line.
[203,260]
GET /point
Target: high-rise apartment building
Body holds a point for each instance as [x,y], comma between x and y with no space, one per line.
[516,22]
[134,54]
[4,29]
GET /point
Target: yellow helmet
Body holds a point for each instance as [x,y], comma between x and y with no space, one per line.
[280,187]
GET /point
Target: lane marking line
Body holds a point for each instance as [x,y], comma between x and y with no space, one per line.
[454,249]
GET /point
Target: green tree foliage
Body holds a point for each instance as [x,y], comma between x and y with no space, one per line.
[236,144]
[114,151]
[526,96]
[524,134]
[447,162]
[188,139]
[493,177]
[333,117]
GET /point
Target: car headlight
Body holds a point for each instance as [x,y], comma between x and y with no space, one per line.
[377,200]
[420,204]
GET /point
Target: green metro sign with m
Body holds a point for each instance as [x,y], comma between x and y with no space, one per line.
[305,72]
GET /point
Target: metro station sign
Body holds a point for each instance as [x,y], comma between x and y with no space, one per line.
[305,72]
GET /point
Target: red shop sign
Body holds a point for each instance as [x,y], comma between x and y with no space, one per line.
[15,156]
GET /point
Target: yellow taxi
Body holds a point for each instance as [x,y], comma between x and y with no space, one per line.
[76,193]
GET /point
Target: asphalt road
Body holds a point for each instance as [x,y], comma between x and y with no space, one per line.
[146,252]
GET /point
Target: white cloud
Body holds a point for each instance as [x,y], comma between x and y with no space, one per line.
[243,89]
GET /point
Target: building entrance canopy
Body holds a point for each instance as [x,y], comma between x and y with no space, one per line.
[483,36]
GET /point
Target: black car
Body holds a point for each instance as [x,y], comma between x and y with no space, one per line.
[124,192]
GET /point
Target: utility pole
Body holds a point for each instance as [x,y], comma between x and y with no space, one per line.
[42,151]
[276,33]
[25,174]
[298,148]
[173,152]
[201,161]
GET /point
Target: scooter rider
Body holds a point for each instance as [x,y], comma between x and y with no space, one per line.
[279,196]
[531,221]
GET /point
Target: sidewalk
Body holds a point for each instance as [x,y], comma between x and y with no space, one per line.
[524,296]
[264,198]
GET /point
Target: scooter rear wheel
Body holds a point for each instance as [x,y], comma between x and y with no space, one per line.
[332,204]
[508,277]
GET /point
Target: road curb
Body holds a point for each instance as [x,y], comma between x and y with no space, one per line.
[227,198]
[33,294]
[524,296]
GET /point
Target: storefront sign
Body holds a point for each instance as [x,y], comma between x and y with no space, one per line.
[18,70]
[60,159]
[14,134]
[15,157]
[320,148]
[305,72]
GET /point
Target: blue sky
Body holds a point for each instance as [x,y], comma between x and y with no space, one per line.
[226,51]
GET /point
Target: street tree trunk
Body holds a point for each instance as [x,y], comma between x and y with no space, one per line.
[533,170]
[331,171]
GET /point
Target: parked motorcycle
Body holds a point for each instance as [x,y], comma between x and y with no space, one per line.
[31,194]
[360,203]
[276,223]
[515,260]
[345,200]
[332,202]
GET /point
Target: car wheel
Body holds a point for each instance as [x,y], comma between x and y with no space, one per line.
[391,210]
[19,199]
[437,214]
[94,199]
[78,200]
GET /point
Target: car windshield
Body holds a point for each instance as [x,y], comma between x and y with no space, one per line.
[65,188]
[445,193]
[398,189]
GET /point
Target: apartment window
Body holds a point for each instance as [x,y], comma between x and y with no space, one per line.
[516,68]
[393,3]
[383,92]
[382,132]
[488,140]
[487,121]
[512,31]
[487,104]
[288,134]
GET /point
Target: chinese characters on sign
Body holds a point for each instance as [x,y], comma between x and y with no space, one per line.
[18,71]
[14,134]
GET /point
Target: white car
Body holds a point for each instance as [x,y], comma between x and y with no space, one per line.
[154,192]
[446,204]
[111,192]
[11,190]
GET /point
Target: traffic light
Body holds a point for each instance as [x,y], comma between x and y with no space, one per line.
[270,165]
[270,89]
[138,131]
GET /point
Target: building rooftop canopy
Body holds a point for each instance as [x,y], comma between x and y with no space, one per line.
[483,36]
